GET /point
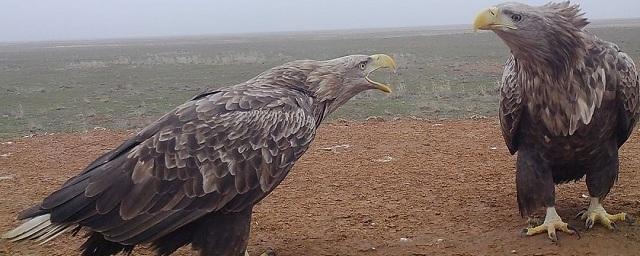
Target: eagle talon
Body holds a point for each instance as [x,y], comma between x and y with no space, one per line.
[551,227]
[551,224]
[597,213]
[553,236]
[589,223]
[581,212]
[630,219]
[572,228]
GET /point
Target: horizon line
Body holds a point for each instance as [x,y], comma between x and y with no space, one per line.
[461,27]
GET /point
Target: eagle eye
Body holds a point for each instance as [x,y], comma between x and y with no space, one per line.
[363,65]
[516,17]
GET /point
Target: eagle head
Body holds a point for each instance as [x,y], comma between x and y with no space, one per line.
[332,82]
[548,36]
[338,80]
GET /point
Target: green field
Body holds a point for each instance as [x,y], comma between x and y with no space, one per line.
[125,84]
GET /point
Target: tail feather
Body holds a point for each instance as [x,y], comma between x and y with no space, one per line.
[33,224]
[35,232]
[32,212]
[37,228]
[53,234]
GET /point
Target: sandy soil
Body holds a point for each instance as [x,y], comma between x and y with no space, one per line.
[404,187]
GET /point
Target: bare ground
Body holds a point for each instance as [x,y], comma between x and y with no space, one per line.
[404,187]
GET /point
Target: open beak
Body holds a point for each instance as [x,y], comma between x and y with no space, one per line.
[379,61]
[492,19]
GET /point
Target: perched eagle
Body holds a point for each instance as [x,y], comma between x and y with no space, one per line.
[568,102]
[194,175]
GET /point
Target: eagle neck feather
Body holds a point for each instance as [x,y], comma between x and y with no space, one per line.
[564,101]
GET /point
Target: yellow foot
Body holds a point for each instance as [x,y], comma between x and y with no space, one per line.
[552,222]
[597,213]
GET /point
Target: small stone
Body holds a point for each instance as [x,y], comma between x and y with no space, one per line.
[375,119]
[477,116]
[337,148]
[342,121]
[384,159]
[513,251]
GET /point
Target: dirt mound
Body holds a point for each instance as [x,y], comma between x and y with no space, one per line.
[405,187]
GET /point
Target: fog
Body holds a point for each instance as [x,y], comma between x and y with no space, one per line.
[32,20]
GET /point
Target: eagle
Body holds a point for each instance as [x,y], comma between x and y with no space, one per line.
[194,175]
[568,101]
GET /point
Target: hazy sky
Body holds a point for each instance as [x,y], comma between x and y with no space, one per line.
[28,20]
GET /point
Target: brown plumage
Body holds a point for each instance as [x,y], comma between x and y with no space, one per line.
[194,175]
[568,102]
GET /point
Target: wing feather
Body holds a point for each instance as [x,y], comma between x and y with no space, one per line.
[511,107]
[628,93]
[223,151]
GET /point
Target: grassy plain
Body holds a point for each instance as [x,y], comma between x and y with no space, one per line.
[445,72]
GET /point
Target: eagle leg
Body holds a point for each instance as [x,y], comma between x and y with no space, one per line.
[552,222]
[597,213]
[223,233]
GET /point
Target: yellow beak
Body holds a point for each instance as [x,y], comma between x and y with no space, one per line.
[491,19]
[380,61]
